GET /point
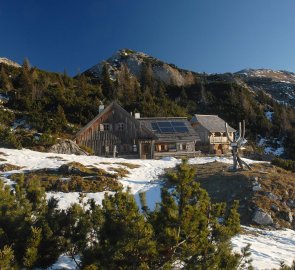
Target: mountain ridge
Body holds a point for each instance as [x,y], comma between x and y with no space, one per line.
[279,84]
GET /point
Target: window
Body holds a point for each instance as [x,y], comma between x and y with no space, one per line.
[121,126]
[106,126]
[182,147]
[161,147]
[172,147]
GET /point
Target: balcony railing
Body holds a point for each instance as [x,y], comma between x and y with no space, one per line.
[218,140]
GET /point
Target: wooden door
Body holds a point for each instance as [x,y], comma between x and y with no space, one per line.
[145,150]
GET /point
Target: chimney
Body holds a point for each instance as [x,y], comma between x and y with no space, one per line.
[137,115]
[100,108]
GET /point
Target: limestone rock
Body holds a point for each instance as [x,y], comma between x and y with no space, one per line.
[275,208]
[286,215]
[67,147]
[256,187]
[273,196]
[291,203]
[262,218]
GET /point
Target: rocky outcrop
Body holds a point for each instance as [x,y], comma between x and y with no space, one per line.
[67,147]
[8,62]
[262,218]
[134,61]
[286,215]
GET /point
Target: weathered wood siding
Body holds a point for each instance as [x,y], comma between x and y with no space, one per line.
[103,141]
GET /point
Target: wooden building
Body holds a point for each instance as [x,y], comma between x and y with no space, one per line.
[115,131]
[211,130]
[174,136]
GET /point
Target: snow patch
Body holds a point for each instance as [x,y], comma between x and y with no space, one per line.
[272,146]
[269,115]
[65,262]
[268,248]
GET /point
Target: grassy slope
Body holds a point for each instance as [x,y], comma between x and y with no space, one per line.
[223,185]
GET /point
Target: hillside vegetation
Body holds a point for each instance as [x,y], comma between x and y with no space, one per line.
[185,229]
[41,106]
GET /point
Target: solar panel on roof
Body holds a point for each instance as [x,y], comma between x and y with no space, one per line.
[155,126]
[181,129]
[164,124]
[178,124]
[169,127]
[167,130]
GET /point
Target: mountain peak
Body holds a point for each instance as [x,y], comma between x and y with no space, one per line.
[6,61]
[135,61]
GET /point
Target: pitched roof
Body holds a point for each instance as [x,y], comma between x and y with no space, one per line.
[89,124]
[212,123]
[180,129]
[143,132]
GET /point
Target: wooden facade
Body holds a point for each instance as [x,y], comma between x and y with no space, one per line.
[212,133]
[115,131]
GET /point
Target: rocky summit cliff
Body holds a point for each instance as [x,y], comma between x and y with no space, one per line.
[9,62]
[136,62]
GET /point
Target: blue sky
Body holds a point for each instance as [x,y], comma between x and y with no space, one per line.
[204,36]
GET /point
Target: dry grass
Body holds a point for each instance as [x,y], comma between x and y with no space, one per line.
[73,177]
[128,165]
[225,186]
[57,158]
[121,172]
[6,167]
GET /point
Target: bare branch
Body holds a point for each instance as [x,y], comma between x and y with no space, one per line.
[227,134]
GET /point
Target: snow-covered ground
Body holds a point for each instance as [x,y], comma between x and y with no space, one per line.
[142,179]
[272,146]
[65,262]
[268,247]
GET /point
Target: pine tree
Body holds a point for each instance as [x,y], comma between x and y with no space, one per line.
[147,75]
[26,224]
[188,229]
[107,84]
[82,85]
[5,82]
[6,258]
[31,254]
[126,239]
[60,119]
[26,81]
[26,65]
